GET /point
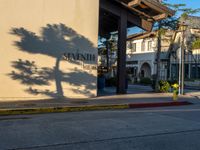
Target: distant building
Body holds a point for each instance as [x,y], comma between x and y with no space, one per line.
[191,56]
[142,50]
[141,54]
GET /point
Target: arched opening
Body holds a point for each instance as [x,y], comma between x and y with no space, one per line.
[145,71]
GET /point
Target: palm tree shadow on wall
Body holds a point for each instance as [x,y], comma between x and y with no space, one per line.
[55,40]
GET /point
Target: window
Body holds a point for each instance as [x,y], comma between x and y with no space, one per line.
[143,46]
[129,44]
[133,47]
[149,45]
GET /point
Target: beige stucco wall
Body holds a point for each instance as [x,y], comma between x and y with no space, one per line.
[36,33]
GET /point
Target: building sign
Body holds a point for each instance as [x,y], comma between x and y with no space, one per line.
[80,57]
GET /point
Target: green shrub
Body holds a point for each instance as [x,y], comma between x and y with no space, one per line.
[145,81]
[196,44]
[164,86]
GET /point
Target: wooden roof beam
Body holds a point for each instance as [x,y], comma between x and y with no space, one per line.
[140,22]
[134,3]
[158,7]
[134,9]
[134,19]
[160,17]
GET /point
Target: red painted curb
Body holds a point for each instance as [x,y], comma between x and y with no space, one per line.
[159,104]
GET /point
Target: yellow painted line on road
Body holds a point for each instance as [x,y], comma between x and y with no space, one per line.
[24,111]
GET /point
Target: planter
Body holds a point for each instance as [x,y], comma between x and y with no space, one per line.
[101,83]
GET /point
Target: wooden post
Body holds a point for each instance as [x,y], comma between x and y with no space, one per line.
[121,60]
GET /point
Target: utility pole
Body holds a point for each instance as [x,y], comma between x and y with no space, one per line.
[183,29]
[180,68]
[182,63]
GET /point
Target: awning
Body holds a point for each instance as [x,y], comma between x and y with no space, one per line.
[141,13]
[149,9]
[152,10]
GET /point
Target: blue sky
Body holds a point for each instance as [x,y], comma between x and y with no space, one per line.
[189,4]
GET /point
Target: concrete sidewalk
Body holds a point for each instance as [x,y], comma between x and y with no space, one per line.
[141,100]
[193,93]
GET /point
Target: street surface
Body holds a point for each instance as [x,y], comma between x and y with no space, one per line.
[169,128]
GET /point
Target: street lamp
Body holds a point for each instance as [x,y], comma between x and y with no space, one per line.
[183,28]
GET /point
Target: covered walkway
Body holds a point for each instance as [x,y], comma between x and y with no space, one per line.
[119,15]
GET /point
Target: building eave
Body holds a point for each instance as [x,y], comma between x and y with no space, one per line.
[157,10]
[141,35]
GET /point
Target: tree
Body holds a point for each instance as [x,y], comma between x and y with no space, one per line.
[172,24]
[108,46]
[196,44]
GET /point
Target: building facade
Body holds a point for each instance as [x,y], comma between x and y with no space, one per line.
[142,54]
[46,52]
[49,47]
[191,55]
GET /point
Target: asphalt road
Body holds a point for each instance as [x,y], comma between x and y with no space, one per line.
[174,128]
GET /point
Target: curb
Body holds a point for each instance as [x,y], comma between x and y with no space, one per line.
[161,104]
[194,96]
[26,111]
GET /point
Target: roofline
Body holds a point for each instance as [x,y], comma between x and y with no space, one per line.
[163,11]
[161,7]
[141,35]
